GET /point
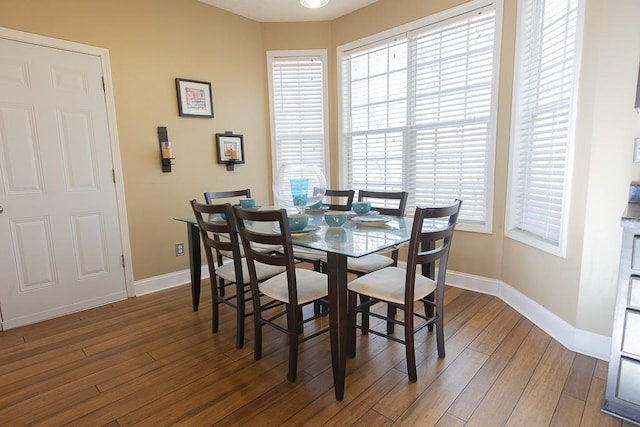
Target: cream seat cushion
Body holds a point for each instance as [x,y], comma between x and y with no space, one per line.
[368,263]
[259,247]
[388,285]
[263,271]
[309,254]
[312,285]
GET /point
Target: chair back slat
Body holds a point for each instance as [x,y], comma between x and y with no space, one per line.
[209,196]
[272,228]
[217,234]
[346,195]
[386,202]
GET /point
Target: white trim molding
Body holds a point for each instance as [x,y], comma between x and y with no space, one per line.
[574,339]
[167,281]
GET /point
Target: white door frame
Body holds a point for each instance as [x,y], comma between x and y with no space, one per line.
[103,54]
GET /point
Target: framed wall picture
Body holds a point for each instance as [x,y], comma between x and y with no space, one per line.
[230,148]
[194,98]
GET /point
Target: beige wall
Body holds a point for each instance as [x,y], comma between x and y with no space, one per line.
[152,42]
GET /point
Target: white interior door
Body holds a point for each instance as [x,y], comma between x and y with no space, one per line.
[59,226]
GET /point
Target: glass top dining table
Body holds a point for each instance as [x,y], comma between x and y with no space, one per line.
[356,238]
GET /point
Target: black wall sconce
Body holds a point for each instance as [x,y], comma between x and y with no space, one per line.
[166,150]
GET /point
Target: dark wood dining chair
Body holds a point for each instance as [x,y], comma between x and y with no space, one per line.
[216,196]
[343,202]
[387,203]
[402,288]
[210,196]
[230,274]
[296,287]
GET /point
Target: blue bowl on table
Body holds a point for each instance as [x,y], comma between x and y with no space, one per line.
[248,203]
[361,207]
[335,218]
[297,222]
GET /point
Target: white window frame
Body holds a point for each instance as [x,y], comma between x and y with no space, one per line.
[511,230]
[320,54]
[466,8]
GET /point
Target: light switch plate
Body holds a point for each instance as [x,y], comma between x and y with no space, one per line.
[636,150]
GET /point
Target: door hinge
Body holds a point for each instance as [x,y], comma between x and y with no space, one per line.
[104,85]
[123,261]
[113,174]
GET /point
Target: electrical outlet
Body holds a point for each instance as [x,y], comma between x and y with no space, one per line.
[179,249]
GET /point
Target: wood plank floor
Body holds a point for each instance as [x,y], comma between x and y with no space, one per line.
[152,361]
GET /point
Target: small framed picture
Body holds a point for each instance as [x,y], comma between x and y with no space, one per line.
[230,148]
[194,98]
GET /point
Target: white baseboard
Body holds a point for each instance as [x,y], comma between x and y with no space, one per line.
[589,343]
[585,342]
[166,281]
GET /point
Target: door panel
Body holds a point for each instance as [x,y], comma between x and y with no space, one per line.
[78,151]
[21,170]
[60,229]
[33,253]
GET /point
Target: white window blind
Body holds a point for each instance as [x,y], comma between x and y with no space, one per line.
[542,121]
[297,94]
[418,114]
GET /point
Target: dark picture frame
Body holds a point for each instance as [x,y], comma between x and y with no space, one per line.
[230,148]
[194,98]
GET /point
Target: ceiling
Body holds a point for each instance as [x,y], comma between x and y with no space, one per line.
[287,10]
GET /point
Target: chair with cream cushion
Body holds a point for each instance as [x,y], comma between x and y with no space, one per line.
[404,288]
[387,203]
[232,273]
[295,287]
[339,200]
[211,197]
[215,196]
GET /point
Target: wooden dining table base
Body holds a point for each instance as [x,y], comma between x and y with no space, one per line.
[337,277]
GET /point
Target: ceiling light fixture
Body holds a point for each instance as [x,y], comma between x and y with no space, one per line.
[313,4]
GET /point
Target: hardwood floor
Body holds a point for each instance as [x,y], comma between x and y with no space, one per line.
[152,361]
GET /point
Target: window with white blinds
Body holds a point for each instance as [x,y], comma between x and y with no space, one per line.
[542,122]
[297,92]
[419,113]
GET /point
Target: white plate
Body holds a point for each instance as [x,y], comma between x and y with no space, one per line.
[370,213]
[307,229]
[371,220]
